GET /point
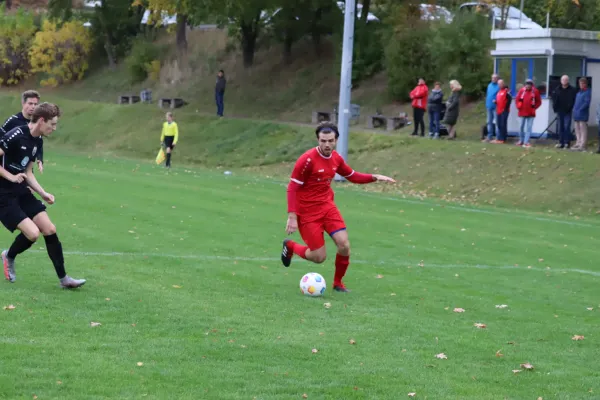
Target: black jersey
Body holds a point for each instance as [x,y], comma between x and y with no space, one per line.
[20,148]
[15,121]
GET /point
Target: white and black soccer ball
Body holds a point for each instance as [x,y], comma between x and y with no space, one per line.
[313,284]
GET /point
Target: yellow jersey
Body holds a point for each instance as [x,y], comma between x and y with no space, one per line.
[170,129]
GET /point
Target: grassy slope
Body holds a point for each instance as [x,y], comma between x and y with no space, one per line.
[463,171]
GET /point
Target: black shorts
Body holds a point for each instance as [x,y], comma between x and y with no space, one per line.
[15,208]
[169,141]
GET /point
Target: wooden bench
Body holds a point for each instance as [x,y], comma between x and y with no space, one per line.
[390,123]
[171,103]
[128,99]
[320,116]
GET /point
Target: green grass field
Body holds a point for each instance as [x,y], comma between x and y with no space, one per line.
[183,274]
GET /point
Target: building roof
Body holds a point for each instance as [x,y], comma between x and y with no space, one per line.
[552,33]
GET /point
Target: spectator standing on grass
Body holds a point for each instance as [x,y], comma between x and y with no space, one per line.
[503,100]
[490,106]
[453,109]
[434,105]
[563,100]
[419,104]
[581,114]
[220,92]
[528,101]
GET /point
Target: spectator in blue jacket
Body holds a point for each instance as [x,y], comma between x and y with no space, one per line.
[490,106]
[581,114]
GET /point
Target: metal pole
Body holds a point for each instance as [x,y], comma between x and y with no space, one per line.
[346,82]
[521,14]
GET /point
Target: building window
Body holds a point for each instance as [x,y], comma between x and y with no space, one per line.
[540,75]
[570,66]
[504,70]
[515,71]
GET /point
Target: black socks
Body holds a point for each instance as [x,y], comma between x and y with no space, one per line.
[20,244]
[55,252]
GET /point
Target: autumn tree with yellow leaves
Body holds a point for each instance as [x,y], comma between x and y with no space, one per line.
[61,53]
[16,35]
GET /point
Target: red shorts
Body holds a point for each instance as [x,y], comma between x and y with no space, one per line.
[312,229]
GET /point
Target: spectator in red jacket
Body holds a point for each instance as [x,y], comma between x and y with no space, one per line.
[502,102]
[528,100]
[419,97]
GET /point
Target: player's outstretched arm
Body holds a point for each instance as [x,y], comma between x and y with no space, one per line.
[34,184]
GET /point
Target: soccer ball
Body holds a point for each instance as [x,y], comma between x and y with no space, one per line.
[312,284]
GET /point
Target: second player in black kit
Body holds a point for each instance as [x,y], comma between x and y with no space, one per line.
[19,208]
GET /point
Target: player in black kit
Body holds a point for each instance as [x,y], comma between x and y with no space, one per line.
[19,209]
[29,100]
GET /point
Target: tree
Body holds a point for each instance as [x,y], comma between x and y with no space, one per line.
[61,53]
[245,17]
[16,36]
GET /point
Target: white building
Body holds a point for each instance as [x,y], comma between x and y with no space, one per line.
[544,55]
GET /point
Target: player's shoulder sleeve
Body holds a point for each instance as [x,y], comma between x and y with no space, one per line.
[7,125]
[343,169]
[10,140]
[303,168]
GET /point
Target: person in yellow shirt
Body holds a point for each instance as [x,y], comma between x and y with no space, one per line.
[169,136]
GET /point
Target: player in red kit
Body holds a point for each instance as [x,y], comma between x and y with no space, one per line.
[311,209]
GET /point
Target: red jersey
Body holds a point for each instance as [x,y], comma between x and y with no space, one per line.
[313,173]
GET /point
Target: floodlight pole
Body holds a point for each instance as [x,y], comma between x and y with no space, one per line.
[346,83]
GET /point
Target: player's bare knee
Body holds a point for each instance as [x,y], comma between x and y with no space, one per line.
[320,258]
[49,230]
[32,234]
[344,248]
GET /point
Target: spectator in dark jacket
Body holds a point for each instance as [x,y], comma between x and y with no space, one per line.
[563,100]
[434,105]
[220,92]
[581,114]
[453,109]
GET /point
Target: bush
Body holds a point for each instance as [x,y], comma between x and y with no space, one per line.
[367,57]
[139,62]
[408,56]
[16,35]
[467,59]
[61,54]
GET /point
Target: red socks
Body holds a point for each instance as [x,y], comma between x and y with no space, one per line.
[341,266]
[297,248]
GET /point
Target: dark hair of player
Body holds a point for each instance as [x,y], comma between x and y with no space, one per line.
[47,111]
[327,127]
[29,94]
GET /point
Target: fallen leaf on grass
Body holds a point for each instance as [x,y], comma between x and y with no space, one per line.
[379,276]
[327,305]
[441,356]
[590,308]
[516,371]
[243,346]
[480,325]
[107,299]
[541,260]
[9,307]
[393,294]
[315,351]
[412,394]
[501,306]
[578,337]
[305,396]
[459,310]
[499,354]
[263,267]
[139,364]
[94,324]
[131,231]
[352,341]
[446,308]
[527,366]
[59,382]
[177,286]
